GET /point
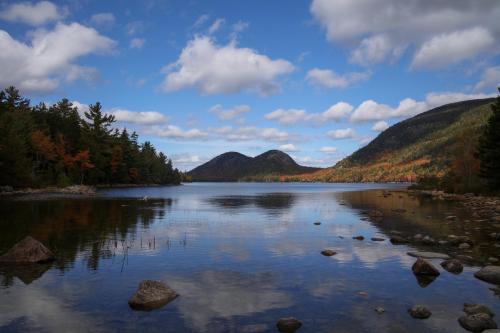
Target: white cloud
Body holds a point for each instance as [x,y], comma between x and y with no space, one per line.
[137,43]
[187,161]
[49,57]
[315,162]
[300,116]
[32,14]
[175,132]
[288,117]
[215,69]
[229,114]
[238,28]
[379,30]
[490,79]
[289,148]
[327,78]
[103,19]
[138,117]
[380,126]
[328,150]
[81,107]
[371,110]
[454,47]
[250,133]
[200,21]
[339,134]
[337,111]
[134,28]
[216,25]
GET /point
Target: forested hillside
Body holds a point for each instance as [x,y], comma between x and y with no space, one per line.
[52,145]
[427,145]
[233,166]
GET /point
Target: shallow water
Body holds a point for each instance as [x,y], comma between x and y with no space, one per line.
[240,255]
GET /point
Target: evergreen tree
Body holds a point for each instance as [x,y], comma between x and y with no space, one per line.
[489,149]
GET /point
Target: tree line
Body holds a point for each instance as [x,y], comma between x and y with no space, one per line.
[52,145]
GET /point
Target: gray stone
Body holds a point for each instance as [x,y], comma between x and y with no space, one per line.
[28,250]
[453,266]
[288,325]
[477,322]
[396,240]
[151,295]
[471,309]
[428,255]
[379,310]
[419,312]
[360,238]
[490,274]
[464,246]
[378,239]
[317,223]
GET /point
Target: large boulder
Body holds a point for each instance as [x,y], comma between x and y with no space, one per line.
[151,295]
[288,325]
[423,267]
[490,274]
[478,322]
[28,250]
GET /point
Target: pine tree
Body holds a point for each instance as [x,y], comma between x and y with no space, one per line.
[489,149]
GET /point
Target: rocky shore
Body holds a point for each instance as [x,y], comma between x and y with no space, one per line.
[69,190]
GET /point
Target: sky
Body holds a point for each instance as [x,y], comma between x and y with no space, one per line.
[317,79]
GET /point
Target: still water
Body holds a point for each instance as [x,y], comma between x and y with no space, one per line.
[240,256]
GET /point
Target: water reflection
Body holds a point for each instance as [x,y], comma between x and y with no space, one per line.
[240,257]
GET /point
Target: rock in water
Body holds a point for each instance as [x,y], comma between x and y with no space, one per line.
[317,223]
[490,274]
[419,312]
[453,266]
[328,253]
[151,295]
[423,267]
[378,239]
[398,240]
[428,255]
[360,238]
[471,309]
[477,322]
[29,250]
[288,325]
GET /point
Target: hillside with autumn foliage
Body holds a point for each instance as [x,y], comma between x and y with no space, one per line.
[431,144]
[53,145]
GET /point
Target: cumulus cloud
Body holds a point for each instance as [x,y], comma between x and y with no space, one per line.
[289,148]
[249,133]
[346,133]
[50,57]
[295,116]
[371,110]
[229,114]
[138,117]
[137,43]
[453,48]
[215,69]
[31,13]
[187,161]
[328,150]
[380,126]
[326,78]
[103,19]
[177,133]
[490,79]
[380,30]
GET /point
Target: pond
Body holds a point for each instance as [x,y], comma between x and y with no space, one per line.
[241,256]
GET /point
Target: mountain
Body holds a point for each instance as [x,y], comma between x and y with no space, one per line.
[233,166]
[425,145]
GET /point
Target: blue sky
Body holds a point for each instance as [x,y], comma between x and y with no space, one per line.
[317,78]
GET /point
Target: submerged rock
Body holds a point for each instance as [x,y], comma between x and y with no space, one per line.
[378,239]
[360,238]
[419,312]
[464,246]
[328,252]
[288,325]
[375,213]
[379,310]
[490,274]
[477,322]
[317,223]
[151,295]
[471,309]
[29,250]
[428,255]
[423,267]
[453,266]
